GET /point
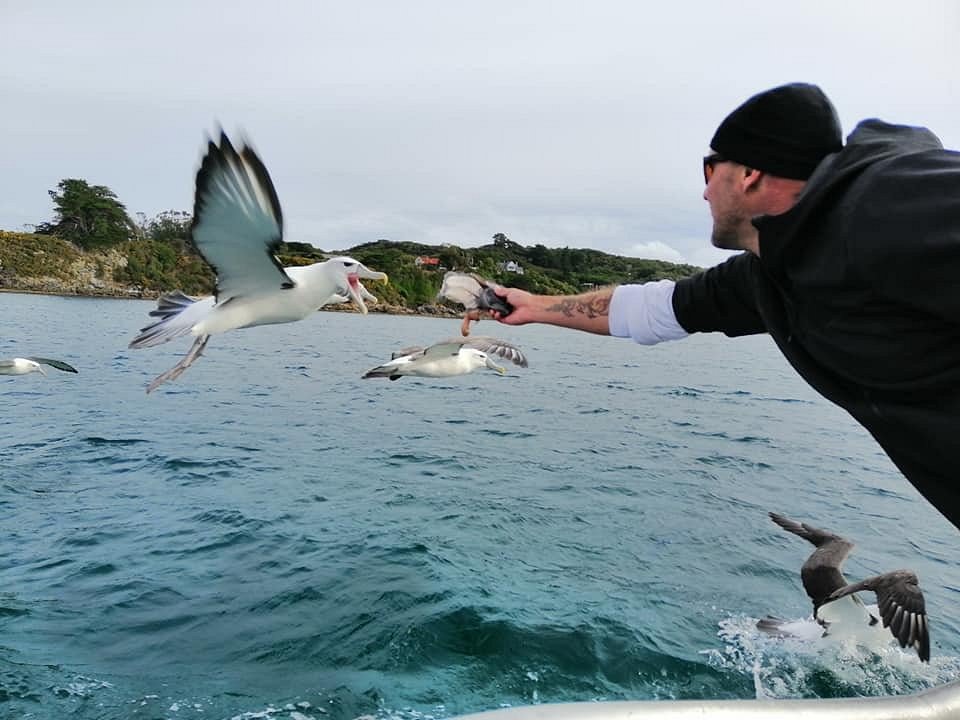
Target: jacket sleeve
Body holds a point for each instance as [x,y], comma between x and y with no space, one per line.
[644,313]
[720,299]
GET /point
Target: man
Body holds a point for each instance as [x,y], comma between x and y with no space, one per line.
[851,264]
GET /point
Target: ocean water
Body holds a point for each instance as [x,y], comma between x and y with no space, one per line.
[272,537]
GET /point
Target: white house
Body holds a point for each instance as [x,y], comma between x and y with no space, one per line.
[511,266]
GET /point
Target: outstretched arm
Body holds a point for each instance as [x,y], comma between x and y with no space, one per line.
[720,299]
[587,311]
[643,312]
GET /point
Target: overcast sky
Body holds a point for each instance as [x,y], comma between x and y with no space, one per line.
[578,124]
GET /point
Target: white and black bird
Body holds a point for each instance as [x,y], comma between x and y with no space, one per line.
[24,366]
[237,229]
[836,606]
[448,358]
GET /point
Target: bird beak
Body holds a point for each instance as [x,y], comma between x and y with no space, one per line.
[356,289]
[493,366]
[365,273]
[353,289]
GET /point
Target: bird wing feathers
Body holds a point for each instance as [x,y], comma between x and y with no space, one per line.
[237,223]
[58,364]
[447,347]
[494,346]
[489,345]
[403,352]
[901,606]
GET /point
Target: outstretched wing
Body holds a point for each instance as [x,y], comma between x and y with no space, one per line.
[58,364]
[237,223]
[901,605]
[403,352]
[821,573]
[495,346]
[447,347]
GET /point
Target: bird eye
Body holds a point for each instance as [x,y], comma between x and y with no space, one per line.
[348,264]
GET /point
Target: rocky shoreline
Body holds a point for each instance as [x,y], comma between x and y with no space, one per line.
[49,266]
[49,286]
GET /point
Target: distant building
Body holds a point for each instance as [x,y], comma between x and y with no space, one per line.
[424,261]
[511,266]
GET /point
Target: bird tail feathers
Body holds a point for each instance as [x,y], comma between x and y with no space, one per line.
[178,314]
[380,371]
[387,371]
[772,626]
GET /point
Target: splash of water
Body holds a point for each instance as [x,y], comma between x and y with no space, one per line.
[809,665]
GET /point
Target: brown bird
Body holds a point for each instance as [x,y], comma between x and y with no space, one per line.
[899,599]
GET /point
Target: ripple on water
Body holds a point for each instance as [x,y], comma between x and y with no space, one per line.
[97,441]
[241,543]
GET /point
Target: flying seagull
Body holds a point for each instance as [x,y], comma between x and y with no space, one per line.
[237,228]
[449,357]
[474,293]
[23,366]
[899,599]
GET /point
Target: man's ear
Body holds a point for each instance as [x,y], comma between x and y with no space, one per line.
[751,179]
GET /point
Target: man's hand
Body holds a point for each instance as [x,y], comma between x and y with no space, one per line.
[524,305]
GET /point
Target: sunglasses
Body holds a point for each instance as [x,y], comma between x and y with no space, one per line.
[709,163]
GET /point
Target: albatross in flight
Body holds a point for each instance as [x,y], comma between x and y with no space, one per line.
[237,228]
[23,366]
[835,604]
[448,358]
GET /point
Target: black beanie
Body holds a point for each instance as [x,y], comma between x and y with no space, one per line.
[785,131]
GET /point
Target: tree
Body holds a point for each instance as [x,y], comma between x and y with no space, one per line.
[540,255]
[501,240]
[169,226]
[452,258]
[87,215]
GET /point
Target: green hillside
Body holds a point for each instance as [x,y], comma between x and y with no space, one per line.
[149,266]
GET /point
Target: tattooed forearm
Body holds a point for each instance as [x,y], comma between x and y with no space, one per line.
[593,306]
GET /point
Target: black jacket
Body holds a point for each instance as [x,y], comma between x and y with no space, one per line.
[859,285]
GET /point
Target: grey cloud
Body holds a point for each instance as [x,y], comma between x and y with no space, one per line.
[561,123]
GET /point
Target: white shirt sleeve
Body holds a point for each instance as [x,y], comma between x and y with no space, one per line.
[645,313]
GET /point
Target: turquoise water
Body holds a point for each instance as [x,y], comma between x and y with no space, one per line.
[272,537]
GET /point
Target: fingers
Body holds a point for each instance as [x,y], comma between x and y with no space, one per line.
[470,315]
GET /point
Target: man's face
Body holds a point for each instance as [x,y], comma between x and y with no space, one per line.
[731,219]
